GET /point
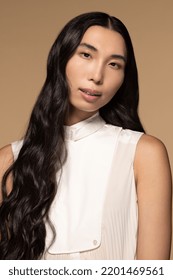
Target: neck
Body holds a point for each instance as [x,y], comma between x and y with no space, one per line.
[78,116]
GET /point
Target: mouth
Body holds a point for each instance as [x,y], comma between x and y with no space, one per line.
[90,92]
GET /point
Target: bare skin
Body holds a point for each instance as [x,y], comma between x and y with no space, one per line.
[6,159]
[154,193]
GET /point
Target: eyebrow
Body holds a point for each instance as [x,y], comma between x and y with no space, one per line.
[90,47]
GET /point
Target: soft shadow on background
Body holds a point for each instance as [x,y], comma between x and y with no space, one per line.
[27,30]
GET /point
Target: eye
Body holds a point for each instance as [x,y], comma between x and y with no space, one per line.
[85,55]
[115,65]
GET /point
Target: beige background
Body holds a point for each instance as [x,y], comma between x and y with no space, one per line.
[29,27]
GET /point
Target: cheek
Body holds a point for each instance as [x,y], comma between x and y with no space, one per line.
[73,74]
[115,83]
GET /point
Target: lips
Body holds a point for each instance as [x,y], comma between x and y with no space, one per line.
[90,92]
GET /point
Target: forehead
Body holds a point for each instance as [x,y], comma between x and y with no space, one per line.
[104,39]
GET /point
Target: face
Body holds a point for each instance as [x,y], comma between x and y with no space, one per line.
[95,72]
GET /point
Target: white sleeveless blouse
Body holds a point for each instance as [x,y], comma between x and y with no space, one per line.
[95,209]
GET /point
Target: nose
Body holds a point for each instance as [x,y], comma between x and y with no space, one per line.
[97,74]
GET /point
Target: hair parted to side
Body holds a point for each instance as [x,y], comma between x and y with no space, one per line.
[24,211]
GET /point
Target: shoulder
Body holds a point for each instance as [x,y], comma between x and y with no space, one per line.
[124,135]
[150,148]
[154,195]
[151,142]
[130,135]
[6,160]
[151,158]
[6,157]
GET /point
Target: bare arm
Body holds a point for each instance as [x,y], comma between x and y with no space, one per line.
[153,178]
[6,159]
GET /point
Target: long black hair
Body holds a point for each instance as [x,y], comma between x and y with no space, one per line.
[25,210]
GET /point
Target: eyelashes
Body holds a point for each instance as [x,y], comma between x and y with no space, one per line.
[113,64]
[85,55]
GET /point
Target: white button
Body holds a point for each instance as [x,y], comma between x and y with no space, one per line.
[95,242]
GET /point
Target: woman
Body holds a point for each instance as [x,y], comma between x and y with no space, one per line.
[86,182]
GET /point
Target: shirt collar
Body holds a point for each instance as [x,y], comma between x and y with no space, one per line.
[84,128]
